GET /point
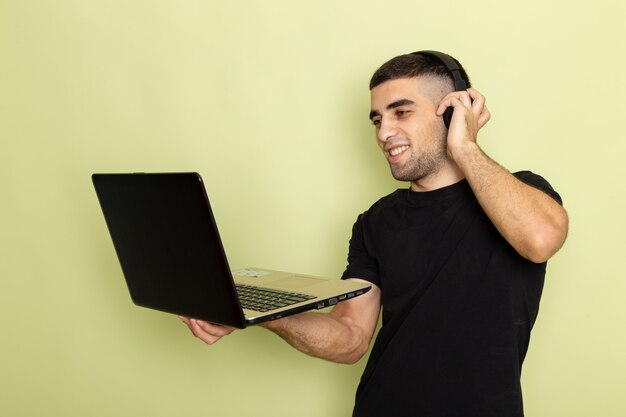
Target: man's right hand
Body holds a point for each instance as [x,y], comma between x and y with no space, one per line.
[342,335]
[209,333]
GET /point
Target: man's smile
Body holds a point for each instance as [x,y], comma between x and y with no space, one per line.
[398,150]
[395,152]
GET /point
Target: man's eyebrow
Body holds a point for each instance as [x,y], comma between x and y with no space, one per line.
[397,103]
[401,102]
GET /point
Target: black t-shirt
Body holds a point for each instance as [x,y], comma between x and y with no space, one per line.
[458,306]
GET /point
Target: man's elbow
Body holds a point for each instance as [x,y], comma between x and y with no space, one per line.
[353,351]
[353,356]
[545,243]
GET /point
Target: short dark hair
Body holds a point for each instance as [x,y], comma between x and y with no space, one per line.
[414,65]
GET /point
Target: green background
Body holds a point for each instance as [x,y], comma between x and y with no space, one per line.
[268,100]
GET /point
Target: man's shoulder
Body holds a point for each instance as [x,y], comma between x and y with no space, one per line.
[382,209]
[537,181]
[383,203]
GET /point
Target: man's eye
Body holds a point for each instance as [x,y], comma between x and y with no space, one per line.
[376,122]
[402,113]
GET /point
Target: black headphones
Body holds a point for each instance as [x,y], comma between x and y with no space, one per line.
[453,68]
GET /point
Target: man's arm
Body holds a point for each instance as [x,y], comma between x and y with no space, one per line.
[343,335]
[530,220]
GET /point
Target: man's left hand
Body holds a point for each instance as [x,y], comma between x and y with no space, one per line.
[470,115]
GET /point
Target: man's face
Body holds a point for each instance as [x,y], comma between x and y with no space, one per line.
[408,130]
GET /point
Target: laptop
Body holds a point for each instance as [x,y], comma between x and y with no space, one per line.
[173,260]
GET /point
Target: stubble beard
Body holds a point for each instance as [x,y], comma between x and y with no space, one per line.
[421,166]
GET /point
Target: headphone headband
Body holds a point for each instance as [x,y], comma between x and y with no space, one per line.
[454,70]
[451,65]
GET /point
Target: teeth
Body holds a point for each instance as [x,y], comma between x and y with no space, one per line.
[398,151]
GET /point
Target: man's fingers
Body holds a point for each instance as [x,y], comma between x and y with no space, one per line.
[455,99]
[478,101]
[470,101]
[207,332]
[214,329]
[465,98]
[475,94]
[484,117]
[204,333]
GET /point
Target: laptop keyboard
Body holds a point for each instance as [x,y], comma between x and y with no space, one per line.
[263,299]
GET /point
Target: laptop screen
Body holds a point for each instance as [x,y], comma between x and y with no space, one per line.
[168,244]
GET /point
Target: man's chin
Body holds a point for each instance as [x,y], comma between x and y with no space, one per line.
[402,176]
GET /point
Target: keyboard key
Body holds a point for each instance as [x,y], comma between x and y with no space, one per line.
[264,299]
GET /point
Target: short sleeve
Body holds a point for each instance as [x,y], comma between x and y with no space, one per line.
[361,264]
[538,182]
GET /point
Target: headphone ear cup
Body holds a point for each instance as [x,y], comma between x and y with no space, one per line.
[447,117]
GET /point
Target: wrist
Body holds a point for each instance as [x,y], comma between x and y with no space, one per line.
[464,152]
[273,325]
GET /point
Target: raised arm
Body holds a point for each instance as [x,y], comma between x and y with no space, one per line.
[343,335]
[530,220]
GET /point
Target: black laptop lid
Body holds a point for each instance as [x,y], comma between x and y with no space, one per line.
[168,245]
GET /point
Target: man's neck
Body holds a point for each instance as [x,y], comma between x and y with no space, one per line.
[442,178]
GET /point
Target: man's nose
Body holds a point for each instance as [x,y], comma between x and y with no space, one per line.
[387,130]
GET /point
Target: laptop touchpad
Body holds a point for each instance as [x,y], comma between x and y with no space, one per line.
[297,282]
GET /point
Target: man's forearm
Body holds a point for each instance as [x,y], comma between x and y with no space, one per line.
[323,335]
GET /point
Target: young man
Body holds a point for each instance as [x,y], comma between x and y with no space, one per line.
[457,261]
